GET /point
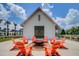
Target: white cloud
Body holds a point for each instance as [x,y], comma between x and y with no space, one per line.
[4,14]
[18,10]
[71,19]
[47,8]
[2,24]
[72,14]
[59,20]
[46,5]
[11,26]
[18,27]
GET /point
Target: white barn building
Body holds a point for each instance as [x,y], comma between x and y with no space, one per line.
[39,24]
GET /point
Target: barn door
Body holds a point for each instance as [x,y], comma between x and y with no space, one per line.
[39,31]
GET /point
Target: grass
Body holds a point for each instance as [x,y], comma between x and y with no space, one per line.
[2,39]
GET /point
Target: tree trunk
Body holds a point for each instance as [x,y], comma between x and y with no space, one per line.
[15,30]
[7,29]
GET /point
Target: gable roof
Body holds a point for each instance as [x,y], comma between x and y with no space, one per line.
[39,9]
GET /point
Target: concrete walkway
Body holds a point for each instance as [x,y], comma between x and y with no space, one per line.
[72,51]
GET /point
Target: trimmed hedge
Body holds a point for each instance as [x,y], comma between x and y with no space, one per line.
[2,39]
[6,38]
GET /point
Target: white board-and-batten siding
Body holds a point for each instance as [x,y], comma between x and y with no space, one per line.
[49,26]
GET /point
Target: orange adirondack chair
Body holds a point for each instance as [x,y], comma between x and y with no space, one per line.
[25,39]
[14,45]
[62,41]
[52,51]
[23,51]
[33,39]
[53,40]
[45,39]
[47,50]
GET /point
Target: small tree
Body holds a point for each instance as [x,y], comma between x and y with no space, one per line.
[63,32]
[7,24]
[1,20]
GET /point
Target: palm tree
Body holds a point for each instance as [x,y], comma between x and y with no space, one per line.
[15,28]
[1,20]
[0,27]
[4,30]
[7,23]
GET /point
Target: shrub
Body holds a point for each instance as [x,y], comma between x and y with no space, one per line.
[2,39]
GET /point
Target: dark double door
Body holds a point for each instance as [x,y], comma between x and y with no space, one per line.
[39,31]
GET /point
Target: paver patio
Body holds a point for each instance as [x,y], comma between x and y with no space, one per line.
[72,51]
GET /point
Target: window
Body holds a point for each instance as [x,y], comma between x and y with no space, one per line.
[38,17]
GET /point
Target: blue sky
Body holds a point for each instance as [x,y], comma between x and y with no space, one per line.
[64,13]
